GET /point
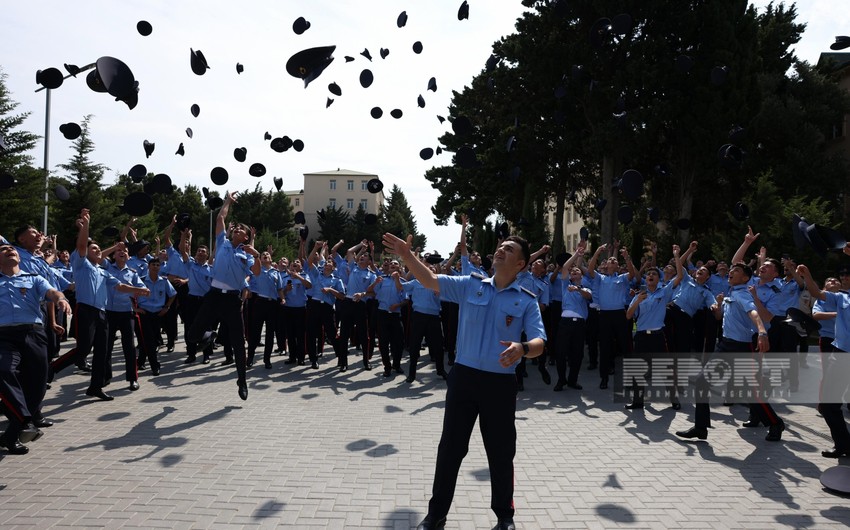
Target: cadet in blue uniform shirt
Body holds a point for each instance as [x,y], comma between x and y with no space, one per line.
[294,287]
[23,349]
[424,322]
[390,295]
[825,311]
[200,278]
[650,308]
[263,309]
[121,316]
[835,382]
[352,310]
[573,321]
[326,289]
[494,312]
[740,321]
[234,261]
[93,286]
[152,310]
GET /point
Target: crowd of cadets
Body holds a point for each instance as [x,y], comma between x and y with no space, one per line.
[340,296]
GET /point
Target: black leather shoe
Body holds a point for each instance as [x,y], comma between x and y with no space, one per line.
[775,432]
[520,385]
[752,424]
[228,360]
[574,386]
[835,453]
[314,366]
[559,386]
[429,523]
[169,347]
[189,360]
[674,402]
[693,432]
[506,523]
[387,372]
[141,367]
[592,366]
[243,391]
[301,363]
[84,367]
[343,368]
[99,393]
[15,447]
[155,371]
[134,385]
[268,366]
[398,369]
[547,379]
[603,385]
[367,365]
[635,405]
[289,361]
[442,374]
[206,359]
[29,433]
[42,423]
[410,379]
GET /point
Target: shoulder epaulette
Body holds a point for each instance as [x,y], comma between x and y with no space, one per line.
[477,275]
[775,289]
[529,293]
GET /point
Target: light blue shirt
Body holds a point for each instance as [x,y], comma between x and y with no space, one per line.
[358,280]
[827,327]
[736,319]
[842,319]
[690,297]
[266,283]
[93,284]
[424,300]
[20,298]
[467,268]
[200,278]
[176,265]
[487,316]
[122,302]
[572,301]
[232,265]
[297,296]
[613,290]
[651,312]
[140,265]
[36,265]
[320,281]
[161,290]
[387,294]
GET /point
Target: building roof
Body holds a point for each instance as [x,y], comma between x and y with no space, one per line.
[839,60]
[344,172]
[293,192]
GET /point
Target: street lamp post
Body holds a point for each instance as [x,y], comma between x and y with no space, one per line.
[47,141]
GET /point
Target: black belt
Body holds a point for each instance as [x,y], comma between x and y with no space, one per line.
[650,332]
[225,291]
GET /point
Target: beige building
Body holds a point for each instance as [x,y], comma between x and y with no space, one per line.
[572,225]
[340,188]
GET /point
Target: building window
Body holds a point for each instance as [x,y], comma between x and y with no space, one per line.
[349,203]
[363,184]
[297,202]
[364,203]
[350,185]
[575,215]
[332,203]
[575,241]
[333,184]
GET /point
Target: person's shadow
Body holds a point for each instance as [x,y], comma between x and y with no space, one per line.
[146,433]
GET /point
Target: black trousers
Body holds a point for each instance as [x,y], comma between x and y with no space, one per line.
[390,338]
[281,329]
[295,321]
[448,318]
[570,351]
[784,340]
[262,312]
[320,324]
[123,321]
[552,322]
[191,306]
[227,309]
[491,398]
[833,387]
[614,333]
[92,332]
[592,335]
[353,314]
[150,324]
[760,409]
[428,326]
[647,345]
[23,374]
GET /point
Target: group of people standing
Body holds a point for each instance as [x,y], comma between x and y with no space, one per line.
[462,307]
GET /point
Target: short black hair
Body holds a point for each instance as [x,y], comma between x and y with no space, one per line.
[155,260]
[746,269]
[523,245]
[21,230]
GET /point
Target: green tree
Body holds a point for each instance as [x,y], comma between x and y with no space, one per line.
[335,226]
[22,203]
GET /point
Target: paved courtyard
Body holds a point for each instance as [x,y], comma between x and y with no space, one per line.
[322,449]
